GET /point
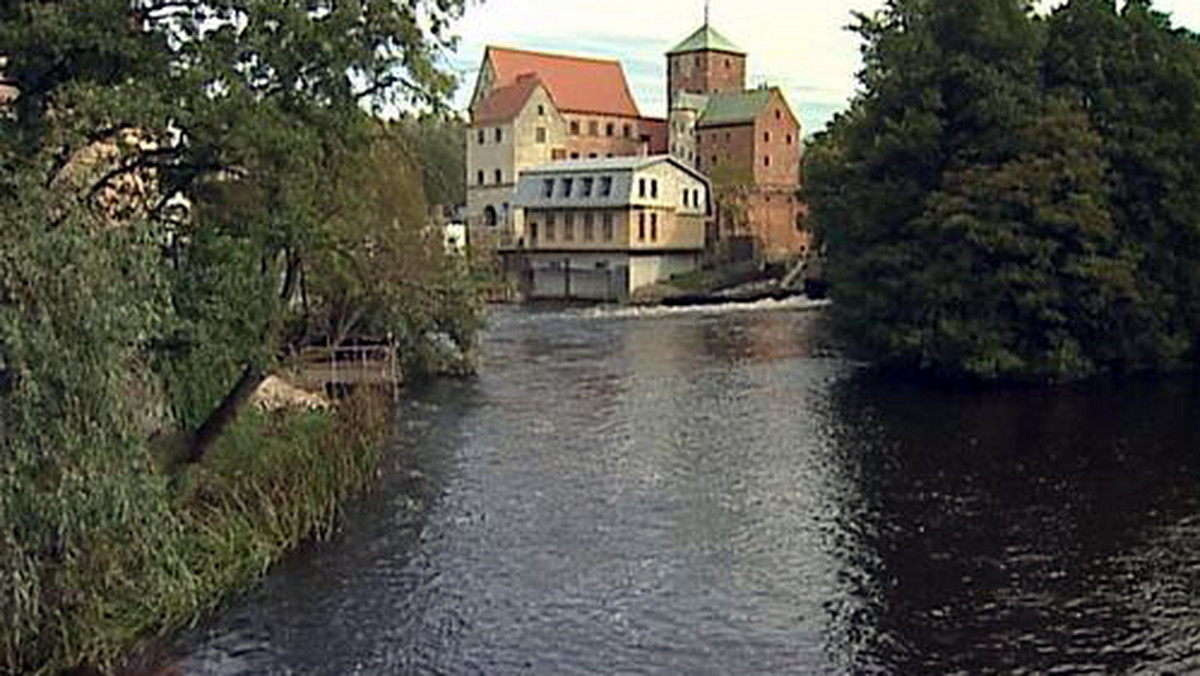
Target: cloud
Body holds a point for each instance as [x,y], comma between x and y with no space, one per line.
[803,47]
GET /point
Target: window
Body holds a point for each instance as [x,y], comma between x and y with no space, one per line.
[696,61]
[594,128]
[574,156]
[641,187]
[533,234]
[654,188]
[550,228]
[558,154]
[548,187]
[490,218]
[482,140]
[610,129]
[728,137]
[567,185]
[766,137]
[569,228]
[587,187]
[628,131]
[575,127]
[714,161]
[592,156]
[541,110]
[789,139]
[778,115]
[687,197]
[541,134]
[479,177]
[642,227]
[606,225]
[499,134]
[589,227]
[766,160]
[605,186]
[653,227]
[499,177]
[727,63]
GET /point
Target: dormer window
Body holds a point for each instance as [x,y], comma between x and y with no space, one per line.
[567,185]
[548,187]
[606,186]
[587,187]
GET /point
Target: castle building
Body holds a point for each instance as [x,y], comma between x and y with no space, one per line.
[532,108]
[748,141]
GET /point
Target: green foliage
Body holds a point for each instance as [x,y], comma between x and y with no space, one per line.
[189,190]
[1012,198]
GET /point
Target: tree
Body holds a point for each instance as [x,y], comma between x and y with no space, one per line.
[966,206]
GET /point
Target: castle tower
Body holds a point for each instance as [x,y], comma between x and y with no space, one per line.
[705,63]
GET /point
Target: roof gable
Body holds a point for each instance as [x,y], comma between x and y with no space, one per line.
[505,103]
[577,84]
[706,39]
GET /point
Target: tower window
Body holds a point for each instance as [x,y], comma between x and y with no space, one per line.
[479,177]
[766,160]
[499,177]
[766,137]
[727,63]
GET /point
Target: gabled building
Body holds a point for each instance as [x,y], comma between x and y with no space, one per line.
[530,108]
[748,141]
[600,229]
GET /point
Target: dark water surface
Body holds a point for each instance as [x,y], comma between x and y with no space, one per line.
[693,493]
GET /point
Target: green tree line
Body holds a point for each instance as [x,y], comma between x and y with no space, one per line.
[192,191]
[1014,196]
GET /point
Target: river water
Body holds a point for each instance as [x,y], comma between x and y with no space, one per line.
[716,492]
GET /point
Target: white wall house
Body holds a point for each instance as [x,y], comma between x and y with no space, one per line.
[601,229]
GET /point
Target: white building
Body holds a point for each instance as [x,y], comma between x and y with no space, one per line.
[601,229]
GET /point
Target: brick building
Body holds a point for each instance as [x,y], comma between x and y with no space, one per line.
[748,141]
[530,108]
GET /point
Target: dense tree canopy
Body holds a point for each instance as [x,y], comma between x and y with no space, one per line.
[1013,197]
[190,191]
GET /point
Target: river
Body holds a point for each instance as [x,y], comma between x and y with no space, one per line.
[717,492]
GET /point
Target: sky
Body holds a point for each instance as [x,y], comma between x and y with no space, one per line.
[801,46]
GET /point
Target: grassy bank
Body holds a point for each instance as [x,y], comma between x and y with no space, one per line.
[129,565]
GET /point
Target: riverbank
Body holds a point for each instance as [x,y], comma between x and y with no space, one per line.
[273,482]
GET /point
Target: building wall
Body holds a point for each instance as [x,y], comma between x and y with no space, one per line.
[596,136]
[682,125]
[486,156]
[705,73]
[777,137]
[727,153]
[647,270]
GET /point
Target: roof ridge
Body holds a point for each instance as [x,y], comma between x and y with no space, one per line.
[556,55]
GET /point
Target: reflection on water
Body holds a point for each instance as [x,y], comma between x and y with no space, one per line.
[709,493]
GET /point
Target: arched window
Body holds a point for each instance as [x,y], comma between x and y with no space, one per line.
[490,218]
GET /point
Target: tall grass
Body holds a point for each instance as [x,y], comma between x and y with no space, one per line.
[149,554]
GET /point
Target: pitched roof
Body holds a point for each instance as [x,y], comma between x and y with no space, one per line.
[706,38]
[577,84]
[505,103]
[735,107]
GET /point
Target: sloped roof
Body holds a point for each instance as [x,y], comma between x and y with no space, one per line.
[505,103]
[577,84]
[706,38]
[735,107]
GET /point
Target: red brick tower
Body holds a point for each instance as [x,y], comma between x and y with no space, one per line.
[705,63]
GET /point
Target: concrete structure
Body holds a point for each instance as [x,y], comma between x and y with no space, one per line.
[747,141]
[601,229]
[530,108]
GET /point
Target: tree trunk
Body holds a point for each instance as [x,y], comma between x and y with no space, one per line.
[219,420]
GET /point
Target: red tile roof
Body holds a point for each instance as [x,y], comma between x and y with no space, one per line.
[577,84]
[505,103]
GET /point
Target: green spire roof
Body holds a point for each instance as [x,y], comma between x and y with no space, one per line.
[706,39]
